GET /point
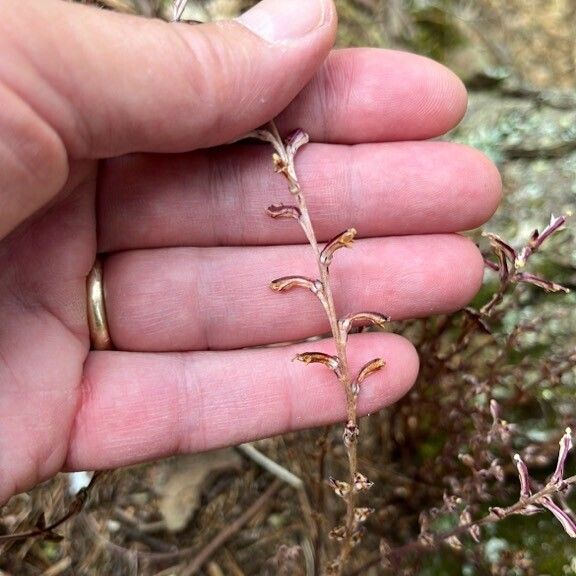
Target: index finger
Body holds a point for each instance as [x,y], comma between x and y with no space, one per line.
[375,95]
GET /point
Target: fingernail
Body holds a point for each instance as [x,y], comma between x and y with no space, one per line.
[285,20]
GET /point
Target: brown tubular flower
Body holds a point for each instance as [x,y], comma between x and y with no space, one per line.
[332,362]
[288,282]
[363,319]
[370,368]
[343,240]
[341,489]
[367,370]
[281,211]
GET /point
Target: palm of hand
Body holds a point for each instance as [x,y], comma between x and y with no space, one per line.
[45,339]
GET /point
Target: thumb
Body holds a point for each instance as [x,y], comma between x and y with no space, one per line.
[109,83]
[90,83]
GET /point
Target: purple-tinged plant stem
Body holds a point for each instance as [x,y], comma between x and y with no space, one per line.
[540,498]
[350,532]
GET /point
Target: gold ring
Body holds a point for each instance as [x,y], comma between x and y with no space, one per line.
[97,322]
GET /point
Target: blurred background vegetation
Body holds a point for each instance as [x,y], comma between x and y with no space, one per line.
[518,59]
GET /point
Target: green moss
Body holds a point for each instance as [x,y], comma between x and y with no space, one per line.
[435,33]
[358,26]
[428,30]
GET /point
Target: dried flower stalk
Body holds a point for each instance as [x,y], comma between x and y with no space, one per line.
[511,263]
[510,267]
[42,530]
[529,503]
[351,531]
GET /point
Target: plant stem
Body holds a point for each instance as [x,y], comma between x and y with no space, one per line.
[338,333]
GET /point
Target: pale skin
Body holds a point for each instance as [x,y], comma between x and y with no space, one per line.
[111,142]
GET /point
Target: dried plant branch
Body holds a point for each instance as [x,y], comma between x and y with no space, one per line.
[230,530]
[511,263]
[43,531]
[284,154]
[529,503]
[510,267]
[272,467]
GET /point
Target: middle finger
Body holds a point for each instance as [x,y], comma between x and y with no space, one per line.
[218,298]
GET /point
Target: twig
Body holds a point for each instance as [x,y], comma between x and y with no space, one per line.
[42,531]
[59,567]
[206,553]
[271,466]
[510,267]
[133,530]
[323,442]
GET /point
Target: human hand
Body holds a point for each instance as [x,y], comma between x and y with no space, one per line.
[109,128]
